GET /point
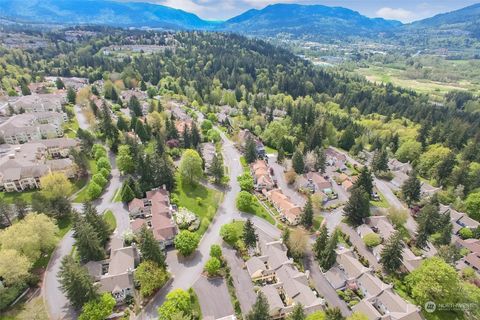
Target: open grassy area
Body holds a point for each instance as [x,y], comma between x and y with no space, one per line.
[383,203]
[10,197]
[200,200]
[110,219]
[82,196]
[317,221]
[270,150]
[244,163]
[435,89]
[258,210]
[118,195]
[32,310]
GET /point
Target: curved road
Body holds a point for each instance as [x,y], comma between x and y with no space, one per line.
[57,305]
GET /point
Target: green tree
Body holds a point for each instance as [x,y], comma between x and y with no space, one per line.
[14,267]
[321,160]
[59,84]
[186,242]
[249,235]
[372,240]
[150,248]
[409,151]
[150,276]
[411,188]
[98,309]
[329,255]
[94,190]
[280,155]
[250,150]
[317,315]
[333,314]
[229,233]
[434,280]
[245,180]
[89,246]
[307,214]
[134,106]
[244,201]
[25,89]
[297,313]
[365,181]
[347,140]
[101,227]
[216,251]
[358,206]
[216,169]
[213,266]
[76,283]
[380,161]
[177,301]
[321,243]
[297,162]
[127,193]
[125,162]
[473,205]
[260,309]
[191,166]
[391,255]
[71,95]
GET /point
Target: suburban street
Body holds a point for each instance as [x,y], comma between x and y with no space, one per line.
[56,303]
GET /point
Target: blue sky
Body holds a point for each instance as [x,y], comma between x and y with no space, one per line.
[404,10]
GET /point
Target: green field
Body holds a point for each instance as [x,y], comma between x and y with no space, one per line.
[110,219]
[258,210]
[200,200]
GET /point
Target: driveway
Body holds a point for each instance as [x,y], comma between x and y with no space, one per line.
[241,280]
[57,305]
[213,297]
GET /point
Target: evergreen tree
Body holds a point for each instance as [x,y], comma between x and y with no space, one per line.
[216,169]
[250,150]
[365,181]
[394,143]
[186,137]
[411,188]
[25,89]
[134,106]
[122,124]
[143,86]
[88,244]
[347,140]
[71,95]
[428,219]
[95,91]
[297,313]
[260,309]
[321,243]
[330,255]
[315,137]
[127,193]
[334,314]
[358,206]
[307,214]
[150,248]
[297,162]
[195,135]
[281,155]
[380,161]
[320,160]
[97,222]
[141,131]
[76,283]
[391,255]
[59,84]
[249,235]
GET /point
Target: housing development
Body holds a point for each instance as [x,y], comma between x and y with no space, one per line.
[179,170]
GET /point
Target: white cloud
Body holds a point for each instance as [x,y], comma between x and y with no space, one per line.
[395,14]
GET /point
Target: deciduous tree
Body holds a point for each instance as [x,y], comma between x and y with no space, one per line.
[191,166]
[186,242]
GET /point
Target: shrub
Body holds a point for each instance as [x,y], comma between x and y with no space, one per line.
[105,172]
[465,233]
[100,180]
[94,190]
[213,266]
[291,177]
[186,242]
[103,163]
[244,201]
[216,251]
[372,240]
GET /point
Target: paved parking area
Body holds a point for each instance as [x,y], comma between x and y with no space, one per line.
[213,297]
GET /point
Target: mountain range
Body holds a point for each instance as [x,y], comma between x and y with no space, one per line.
[309,22]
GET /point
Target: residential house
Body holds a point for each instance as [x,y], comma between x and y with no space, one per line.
[379,300]
[397,166]
[459,220]
[155,212]
[472,259]
[32,127]
[22,166]
[287,209]
[50,102]
[208,151]
[242,138]
[315,183]
[336,159]
[116,274]
[281,282]
[261,175]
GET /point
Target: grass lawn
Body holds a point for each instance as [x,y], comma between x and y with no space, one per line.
[196,310]
[244,164]
[70,128]
[200,200]
[258,210]
[118,195]
[110,219]
[382,203]
[10,197]
[317,221]
[269,150]
[34,309]
[82,196]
